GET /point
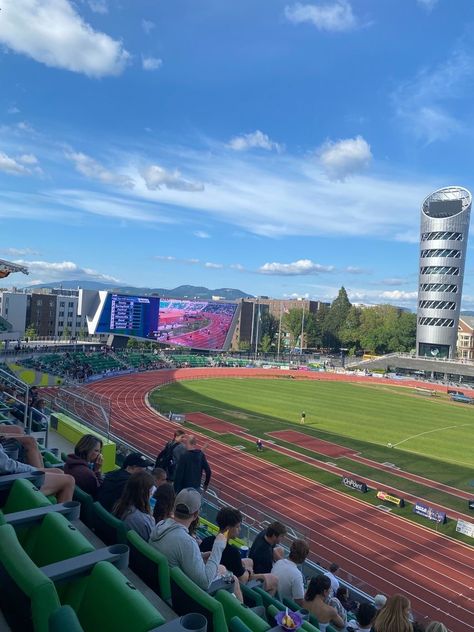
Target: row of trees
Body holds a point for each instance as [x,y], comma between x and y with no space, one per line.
[377,329]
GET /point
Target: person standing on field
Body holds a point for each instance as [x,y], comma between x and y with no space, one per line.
[303,417]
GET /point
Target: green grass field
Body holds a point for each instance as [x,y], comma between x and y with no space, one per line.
[432,437]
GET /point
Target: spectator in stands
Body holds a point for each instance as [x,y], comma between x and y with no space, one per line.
[159,475]
[133,507]
[20,447]
[264,550]
[365,617]
[85,465]
[343,596]
[169,457]
[331,573]
[171,537]
[394,616]
[380,601]
[336,603]
[315,598]
[436,626]
[191,468]
[114,482]
[229,521]
[56,482]
[290,578]
[163,497]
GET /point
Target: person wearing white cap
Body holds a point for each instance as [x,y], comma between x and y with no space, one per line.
[380,601]
[172,538]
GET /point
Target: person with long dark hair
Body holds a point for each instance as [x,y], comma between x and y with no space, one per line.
[317,593]
[85,465]
[164,501]
[133,507]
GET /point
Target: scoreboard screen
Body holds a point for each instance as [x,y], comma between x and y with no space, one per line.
[130,316]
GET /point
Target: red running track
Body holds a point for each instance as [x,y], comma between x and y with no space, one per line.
[380,549]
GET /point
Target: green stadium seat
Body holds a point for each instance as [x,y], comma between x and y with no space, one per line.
[268,600]
[24,495]
[27,596]
[150,565]
[187,597]
[107,527]
[64,619]
[86,501]
[251,597]
[20,493]
[111,603]
[233,608]
[236,625]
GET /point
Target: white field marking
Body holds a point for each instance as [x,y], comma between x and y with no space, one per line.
[420,434]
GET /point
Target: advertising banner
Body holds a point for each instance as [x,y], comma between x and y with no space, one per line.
[395,500]
[429,513]
[465,527]
[353,484]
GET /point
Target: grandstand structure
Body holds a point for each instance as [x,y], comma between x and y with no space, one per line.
[444,231]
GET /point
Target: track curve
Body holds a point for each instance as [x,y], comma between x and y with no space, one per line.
[380,549]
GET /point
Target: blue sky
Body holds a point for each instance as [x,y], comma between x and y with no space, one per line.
[280,147]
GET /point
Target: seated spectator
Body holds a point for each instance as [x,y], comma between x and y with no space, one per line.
[343,596]
[20,447]
[436,626]
[133,507]
[365,616]
[85,464]
[172,538]
[229,521]
[331,573]
[379,602]
[114,482]
[290,578]
[394,616]
[56,482]
[317,593]
[336,603]
[264,550]
[163,498]
[159,475]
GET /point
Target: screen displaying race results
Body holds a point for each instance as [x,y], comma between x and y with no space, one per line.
[130,316]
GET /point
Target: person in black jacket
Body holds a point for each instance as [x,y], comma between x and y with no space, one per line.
[114,482]
[191,467]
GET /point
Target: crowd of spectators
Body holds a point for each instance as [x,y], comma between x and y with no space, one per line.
[162,504]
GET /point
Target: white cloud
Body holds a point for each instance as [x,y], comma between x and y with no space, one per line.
[429,5]
[399,295]
[10,165]
[254,140]
[343,158]
[334,16]
[201,234]
[13,110]
[165,258]
[90,168]
[98,6]
[28,159]
[148,26]
[409,236]
[53,33]
[356,270]
[156,177]
[300,267]
[213,266]
[237,266]
[394,281]
[63,270]
[151,63]
[421,103]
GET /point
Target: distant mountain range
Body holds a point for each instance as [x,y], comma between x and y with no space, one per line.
[183,291]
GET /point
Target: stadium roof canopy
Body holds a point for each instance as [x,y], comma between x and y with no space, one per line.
[7,267]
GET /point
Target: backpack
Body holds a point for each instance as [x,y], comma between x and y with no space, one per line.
[166,459]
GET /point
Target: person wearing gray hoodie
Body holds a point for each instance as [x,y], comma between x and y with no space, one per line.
[172,538]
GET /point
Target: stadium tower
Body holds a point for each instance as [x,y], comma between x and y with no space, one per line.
[443,243]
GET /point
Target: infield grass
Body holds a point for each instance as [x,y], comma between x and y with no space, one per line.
[431,437]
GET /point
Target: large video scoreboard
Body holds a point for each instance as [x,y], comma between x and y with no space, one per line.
[130,316]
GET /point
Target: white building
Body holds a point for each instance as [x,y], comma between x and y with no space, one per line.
[68,322]
[13,309]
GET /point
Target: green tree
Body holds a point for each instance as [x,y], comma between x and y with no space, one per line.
[265,343]
[66,333]
[349,333]
[269,327]
[335,319]
[291,322]
[314,327]
[31,333]
[132,343]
